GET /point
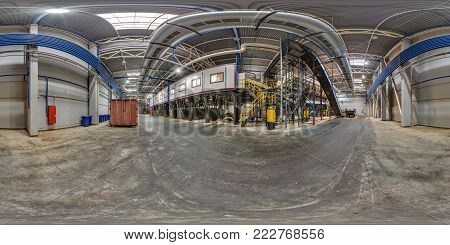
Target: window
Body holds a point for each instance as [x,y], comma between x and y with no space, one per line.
[217,78]
[196,82]
[182,87]
[172,91]
[133,20]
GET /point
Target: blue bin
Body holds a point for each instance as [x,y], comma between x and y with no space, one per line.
[103,118]
[86,121]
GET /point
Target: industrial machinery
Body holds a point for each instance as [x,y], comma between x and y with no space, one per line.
[350,113]
[294,88]
[271,118]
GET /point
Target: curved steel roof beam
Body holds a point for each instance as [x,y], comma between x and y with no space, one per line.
[395,15]
[330,34]
[362,31]
[227,26]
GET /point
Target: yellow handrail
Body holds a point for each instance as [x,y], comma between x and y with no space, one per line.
[256,88]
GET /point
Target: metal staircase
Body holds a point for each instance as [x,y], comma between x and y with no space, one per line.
[258,91]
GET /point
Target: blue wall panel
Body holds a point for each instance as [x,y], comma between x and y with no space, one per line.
[64,46]
[408,54]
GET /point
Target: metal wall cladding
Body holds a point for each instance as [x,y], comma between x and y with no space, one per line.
[13,90]
[123,112]
[51,115]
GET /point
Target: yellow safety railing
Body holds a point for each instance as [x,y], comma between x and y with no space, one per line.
[260,96]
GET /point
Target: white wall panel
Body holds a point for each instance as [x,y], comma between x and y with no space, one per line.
[67,90]
[68,113]
[62,55]
[434,114]
[430,88]
[358,103]
[12,58]
[431,91]
[12,88]
[12,113]
[67,84]
[63,35]
[62,89]
[103,100]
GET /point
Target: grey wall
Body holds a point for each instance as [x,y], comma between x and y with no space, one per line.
[358,103]
[103,100]
[67,84]
[430,85]
[430,88]
[67,90]
[12,88]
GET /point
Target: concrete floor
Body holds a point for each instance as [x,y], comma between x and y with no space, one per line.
[346,171]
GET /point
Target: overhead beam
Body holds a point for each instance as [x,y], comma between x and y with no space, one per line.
[362,31]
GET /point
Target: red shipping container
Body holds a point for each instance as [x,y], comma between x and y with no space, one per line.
[51,115]
[123,112]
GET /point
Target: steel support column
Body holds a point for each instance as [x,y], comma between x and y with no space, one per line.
[383,104]
[406,96]
[93,99]
[33,90]
[406,101]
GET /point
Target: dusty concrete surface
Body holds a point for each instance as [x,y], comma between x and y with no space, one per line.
[346,171]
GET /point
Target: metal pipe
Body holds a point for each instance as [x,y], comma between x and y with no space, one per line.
[321,105]
[286,117]
[281,79]
[46,95]
[314,92]
[300,92]
[243,49]
[336,44]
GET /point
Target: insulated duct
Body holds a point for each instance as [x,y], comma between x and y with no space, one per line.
[309,28]
[243,49]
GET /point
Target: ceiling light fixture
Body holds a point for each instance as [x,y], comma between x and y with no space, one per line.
[57,11]
[178,70]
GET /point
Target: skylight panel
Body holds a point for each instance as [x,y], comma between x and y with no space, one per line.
[358,62]
[133,74]
[133,20]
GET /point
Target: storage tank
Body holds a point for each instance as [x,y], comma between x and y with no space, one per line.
[123,112]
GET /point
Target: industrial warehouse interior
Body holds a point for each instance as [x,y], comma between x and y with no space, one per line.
[225,112]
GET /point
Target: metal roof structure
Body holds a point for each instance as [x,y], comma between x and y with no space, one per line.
[368,28]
